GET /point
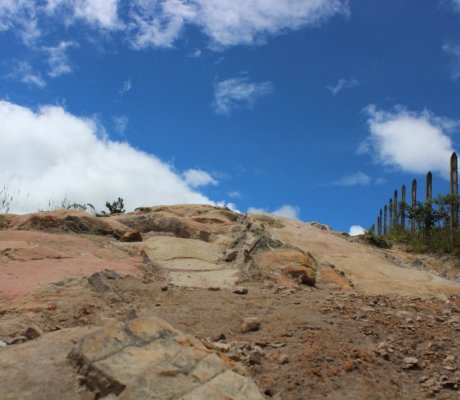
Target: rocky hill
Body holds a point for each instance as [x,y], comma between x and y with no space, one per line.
[199,302]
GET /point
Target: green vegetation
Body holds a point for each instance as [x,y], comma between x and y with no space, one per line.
[117,207]
[433,231]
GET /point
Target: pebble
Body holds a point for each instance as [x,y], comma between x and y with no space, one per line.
[282,358]
[240,290]
[214,288]
[410,362]
[250,324]
[33,332]
[3,344]
[164,288]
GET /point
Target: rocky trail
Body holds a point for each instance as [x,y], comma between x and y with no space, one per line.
[198,302]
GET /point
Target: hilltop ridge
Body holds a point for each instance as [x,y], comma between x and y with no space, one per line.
[332,312]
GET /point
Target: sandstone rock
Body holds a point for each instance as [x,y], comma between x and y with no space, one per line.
[240,290]
[3,344]
[149,359]
[250,324]
[131,236]
[99,282]
[301,274]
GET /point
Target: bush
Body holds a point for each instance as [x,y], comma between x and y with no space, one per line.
[117,207]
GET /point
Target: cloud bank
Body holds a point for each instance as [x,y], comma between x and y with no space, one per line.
[160,23]
[50,154]
[410,141]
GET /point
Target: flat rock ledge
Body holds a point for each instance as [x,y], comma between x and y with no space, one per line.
[147,358]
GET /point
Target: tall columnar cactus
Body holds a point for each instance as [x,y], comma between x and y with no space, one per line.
[454,190]
[429,187]
[390,209]
[385,213]
[395,210]
[402,209]
[413,204]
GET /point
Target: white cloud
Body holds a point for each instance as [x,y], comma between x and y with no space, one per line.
[60,155]
[159,23]
[356,230]
[454,51]
[196,178]
[23,72]
[413,142]
[20,14]
[456,4]
[121,123]
[235,195]
[98,13]
[342,84]
[127,86]
[235,22]
[357,179]
[195,53]
[58,59]
[286,210]
[238,92]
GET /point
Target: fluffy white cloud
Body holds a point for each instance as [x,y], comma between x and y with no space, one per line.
[238,92]
[286,210]
[413,142]
[99,13]
[356,230]
[196,178]
[57,154]
[161,22]
[342,84]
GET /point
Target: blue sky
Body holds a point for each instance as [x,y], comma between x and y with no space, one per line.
[316,109]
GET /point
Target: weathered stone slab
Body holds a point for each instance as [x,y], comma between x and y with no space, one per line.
[147,358]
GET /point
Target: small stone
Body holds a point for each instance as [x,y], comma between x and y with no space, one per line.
[231,256]
[33,332]
[240,290]
[449,359]
[131,236]
[250,324]
[410,362]
[282,358]
[218,337]
[164,288]
[3,344]
[17,340]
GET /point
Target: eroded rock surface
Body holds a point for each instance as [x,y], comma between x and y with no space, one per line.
[149,359]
